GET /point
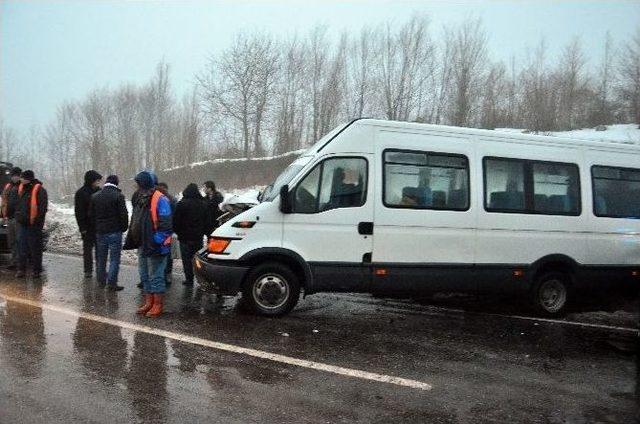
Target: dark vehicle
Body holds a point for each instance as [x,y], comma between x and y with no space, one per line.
[5,177]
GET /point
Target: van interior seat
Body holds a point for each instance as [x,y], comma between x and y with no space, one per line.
[507,200]
[540,202]
[601,205]
[457,199]
[422,195]
[439,199]
[558,203]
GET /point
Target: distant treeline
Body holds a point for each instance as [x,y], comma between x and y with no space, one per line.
[266,95]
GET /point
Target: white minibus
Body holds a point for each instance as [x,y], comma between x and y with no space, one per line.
[405,208]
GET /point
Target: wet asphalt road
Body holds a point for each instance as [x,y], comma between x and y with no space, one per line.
[56,367]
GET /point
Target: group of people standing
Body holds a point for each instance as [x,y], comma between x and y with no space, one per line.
[24,207]
[103,218]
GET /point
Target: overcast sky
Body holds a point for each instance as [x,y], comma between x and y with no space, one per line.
[51,51]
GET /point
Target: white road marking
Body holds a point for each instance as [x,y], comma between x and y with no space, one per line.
[333,369]
[439,310]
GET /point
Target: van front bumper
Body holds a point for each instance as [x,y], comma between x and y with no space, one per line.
[219,277]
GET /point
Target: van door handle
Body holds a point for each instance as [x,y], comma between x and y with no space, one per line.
[365,228]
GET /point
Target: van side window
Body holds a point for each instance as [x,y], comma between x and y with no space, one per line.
[556,188]
[534,187]
[423,180]
[333,184]
[504,185]
[616,192]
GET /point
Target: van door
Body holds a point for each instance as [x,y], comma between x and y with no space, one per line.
[332,221]
[424,219]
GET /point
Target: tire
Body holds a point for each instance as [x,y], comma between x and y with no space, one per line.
[550,294]
[271,289]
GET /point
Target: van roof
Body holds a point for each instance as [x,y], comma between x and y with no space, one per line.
[498,135]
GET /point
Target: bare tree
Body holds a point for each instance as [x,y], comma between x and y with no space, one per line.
[289,118]
[361,59]
[238,85]
[539,102]
[494,107]
[629,74]
[602,108]
[190,128]
[404,66]
[572,84]
[95,117]
[7,141]
[468,65]
[127,133]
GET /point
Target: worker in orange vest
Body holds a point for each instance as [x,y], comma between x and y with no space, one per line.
[9,202]
[150,231]
[31,211]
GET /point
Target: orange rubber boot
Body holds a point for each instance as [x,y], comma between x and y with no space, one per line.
[148,304]
[156,309]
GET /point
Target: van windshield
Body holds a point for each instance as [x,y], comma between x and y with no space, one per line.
[285,178]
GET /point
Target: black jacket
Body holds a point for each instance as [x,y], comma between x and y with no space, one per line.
[108,211]
[190,221]
[10,196]
[83,201]
[214,212]
[23,206]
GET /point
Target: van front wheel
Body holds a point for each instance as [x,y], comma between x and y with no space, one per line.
[550,294]
[271,289]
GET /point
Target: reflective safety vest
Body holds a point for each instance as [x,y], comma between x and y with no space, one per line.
[155,198]
[33,210]
[33,202]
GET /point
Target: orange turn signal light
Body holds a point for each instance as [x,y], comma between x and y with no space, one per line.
[218,245]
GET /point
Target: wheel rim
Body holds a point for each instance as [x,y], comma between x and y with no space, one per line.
[553,295]
[271,291]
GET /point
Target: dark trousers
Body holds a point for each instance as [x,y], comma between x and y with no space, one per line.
[169,269]
[88,251]
[30,241]
[188,249]
[13,236]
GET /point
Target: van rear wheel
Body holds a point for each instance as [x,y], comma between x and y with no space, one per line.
[271,289]
[550,294]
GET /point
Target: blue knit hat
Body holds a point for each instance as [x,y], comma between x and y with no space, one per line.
[146,180]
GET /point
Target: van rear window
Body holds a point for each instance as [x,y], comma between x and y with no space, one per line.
[533,187]
[616,192]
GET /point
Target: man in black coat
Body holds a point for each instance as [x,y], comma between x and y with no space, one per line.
[213,199]
[108,212]
[164,189]
[190,223]
[92,181]
[31,211]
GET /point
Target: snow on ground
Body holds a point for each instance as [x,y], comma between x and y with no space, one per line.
[64,236]
[622,133]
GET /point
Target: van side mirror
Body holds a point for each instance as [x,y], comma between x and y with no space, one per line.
[285,199]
